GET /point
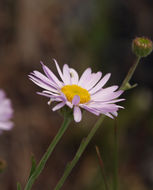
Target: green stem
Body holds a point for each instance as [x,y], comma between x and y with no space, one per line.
[86,140]
[130,74]
[47,154]
[115,157]
[81,149]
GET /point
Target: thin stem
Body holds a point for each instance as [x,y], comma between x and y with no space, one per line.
[102,167]
[47,154]
[130,74]
[86,140]
[115,156]
[80,151]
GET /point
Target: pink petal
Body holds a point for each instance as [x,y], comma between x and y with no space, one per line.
[94,79]
[109,115]
[111,101]
[115,113]
[85,77]
[51,75]
[59,70]
[77,114]
[101,83]
[58,106]
[36,75]
[7,125]
[74,76]
[66,75]
[69,104]
[42,84]
[44,78]
[104,92]
[108,97]
[76,100]
[92,110]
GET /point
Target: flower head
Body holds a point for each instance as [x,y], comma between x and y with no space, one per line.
[142,46]
[6,112]
[86,92]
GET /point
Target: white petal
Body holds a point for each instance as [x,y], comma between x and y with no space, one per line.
[69,104]
[111,101]
[77,114]
[74,76]
[66,75]
[94,79]
[104,92]
[59,70]
[108,97]
[52,97]
[58,106]
[109,115]
[101,83]
[85,77]
[92,110]
[115,113]
[52,93]
[44,94]
[41,84]
[40,78]
[51,75]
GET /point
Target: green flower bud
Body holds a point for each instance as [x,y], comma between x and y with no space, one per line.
[142,46]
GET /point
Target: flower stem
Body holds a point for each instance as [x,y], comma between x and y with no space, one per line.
[115,156]
[130,74]
[86,140]
[81,149]
[47,154]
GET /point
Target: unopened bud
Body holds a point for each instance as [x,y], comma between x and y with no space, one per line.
[142,46]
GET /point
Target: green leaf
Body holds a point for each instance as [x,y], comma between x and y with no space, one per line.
[33,167]
[18,186]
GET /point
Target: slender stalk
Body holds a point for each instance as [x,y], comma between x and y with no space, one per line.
[86,140]
[81,149]
[47,154]
[102,168]
[18,186]
[130,74]
[115,156]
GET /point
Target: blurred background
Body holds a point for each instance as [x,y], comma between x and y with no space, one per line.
[88,33]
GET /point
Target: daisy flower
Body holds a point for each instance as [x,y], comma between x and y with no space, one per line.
[86,92]
[6,112]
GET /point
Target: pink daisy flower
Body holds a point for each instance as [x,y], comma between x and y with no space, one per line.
[86,92]
[6,112]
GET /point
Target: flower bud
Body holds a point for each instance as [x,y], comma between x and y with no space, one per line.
[142,46]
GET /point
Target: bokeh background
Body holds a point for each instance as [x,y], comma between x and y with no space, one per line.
[88,33]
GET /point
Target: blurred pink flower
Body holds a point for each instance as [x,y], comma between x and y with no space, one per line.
[86,92]
[6,112]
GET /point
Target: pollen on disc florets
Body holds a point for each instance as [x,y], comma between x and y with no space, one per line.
[71,90]
[142,46]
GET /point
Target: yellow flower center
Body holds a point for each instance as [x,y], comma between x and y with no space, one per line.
[71,90]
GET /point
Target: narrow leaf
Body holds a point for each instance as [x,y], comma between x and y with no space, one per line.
[101,163]
[18,186]
[33,167]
